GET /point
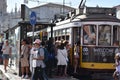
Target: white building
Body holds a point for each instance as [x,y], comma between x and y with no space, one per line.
[47,12]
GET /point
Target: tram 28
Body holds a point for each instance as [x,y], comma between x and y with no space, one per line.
[96,30]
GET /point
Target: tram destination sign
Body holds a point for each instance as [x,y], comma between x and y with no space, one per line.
[100,10]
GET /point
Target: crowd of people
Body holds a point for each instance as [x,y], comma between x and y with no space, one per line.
[41,60]
[40,67]
[33,61]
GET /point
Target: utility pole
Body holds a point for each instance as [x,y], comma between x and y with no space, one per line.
[63,5]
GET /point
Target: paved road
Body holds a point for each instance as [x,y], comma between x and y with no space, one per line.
[2,76]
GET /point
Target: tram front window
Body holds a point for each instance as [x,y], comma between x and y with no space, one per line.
[89,33]
[104,35]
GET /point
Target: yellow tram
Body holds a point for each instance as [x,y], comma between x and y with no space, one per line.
[96,29]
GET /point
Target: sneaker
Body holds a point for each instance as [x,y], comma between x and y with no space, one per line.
[22,76]
[26,77]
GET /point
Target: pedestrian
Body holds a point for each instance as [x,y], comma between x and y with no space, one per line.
[62,60]
[24,59]
[38,64]
[6,49]
[117,52]
[52,60]
[76,56]
[46,54]
[67,47]
[117,65]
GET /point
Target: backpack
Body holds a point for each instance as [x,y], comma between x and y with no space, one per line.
[46,55]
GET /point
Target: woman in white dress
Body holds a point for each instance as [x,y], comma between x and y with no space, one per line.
[62,57]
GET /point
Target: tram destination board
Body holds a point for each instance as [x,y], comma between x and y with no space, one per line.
[98,54]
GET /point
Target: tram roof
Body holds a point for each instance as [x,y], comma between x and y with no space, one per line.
[99,17]
[90,17]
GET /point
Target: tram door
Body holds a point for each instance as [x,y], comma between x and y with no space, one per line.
[76,34]
[116,31]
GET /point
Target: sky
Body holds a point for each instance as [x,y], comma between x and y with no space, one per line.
[73,3]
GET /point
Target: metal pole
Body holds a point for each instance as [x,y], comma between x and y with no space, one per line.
[51,31]
[33,27]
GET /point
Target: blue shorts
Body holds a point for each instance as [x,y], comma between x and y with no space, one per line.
[6,56]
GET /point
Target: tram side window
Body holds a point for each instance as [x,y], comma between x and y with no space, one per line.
[89,33]
[104,35]
[116,30]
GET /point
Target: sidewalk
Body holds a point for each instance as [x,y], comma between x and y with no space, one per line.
[11,74]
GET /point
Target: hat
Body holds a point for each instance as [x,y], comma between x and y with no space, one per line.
[38,41]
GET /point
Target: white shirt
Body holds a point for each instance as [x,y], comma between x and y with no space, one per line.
[6,49]
[34,54]
[62,57]
[34,64]
[31,57]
